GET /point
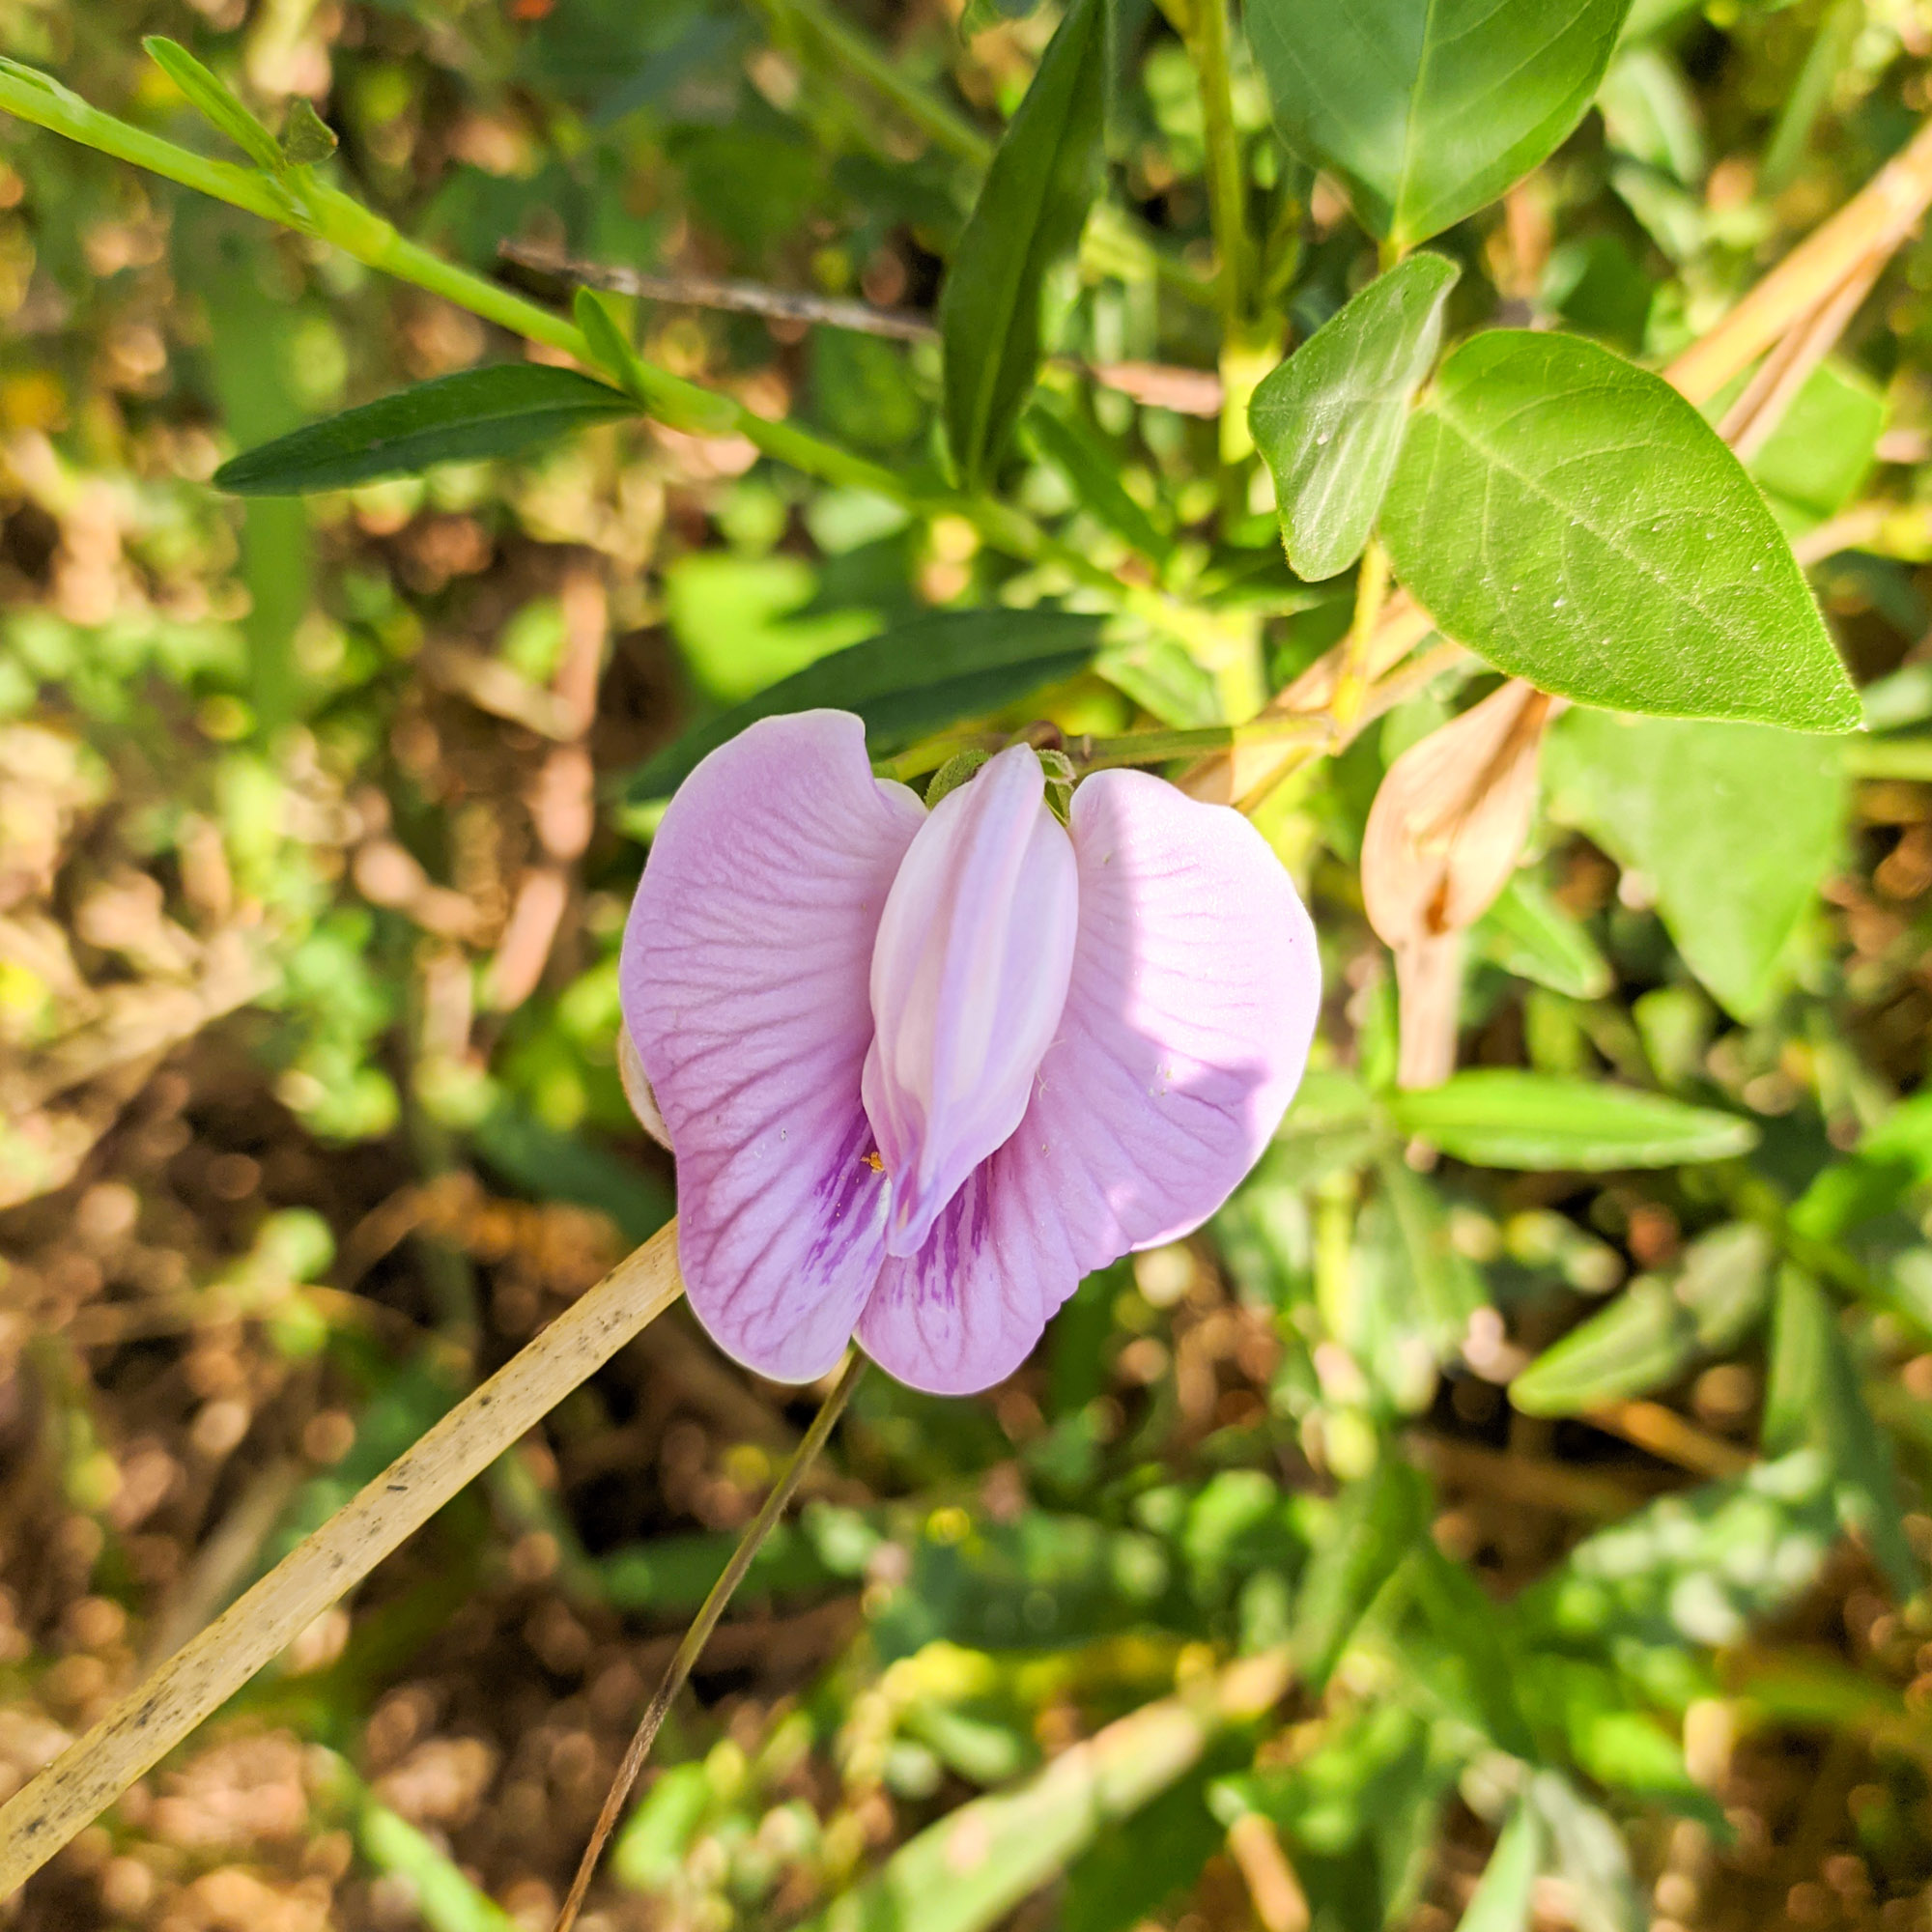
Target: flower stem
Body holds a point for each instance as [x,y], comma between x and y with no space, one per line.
[1151,748]
[701,1627]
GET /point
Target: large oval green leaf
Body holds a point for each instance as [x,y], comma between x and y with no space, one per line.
[906,683]
[1574,520]
[1328,421]
[1733,874]
[1428,109]
[499,411]
[1497,1117]
[1030,212]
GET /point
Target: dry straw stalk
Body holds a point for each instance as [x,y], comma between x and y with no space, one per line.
[207,1671]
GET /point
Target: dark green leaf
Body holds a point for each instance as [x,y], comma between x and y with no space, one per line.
[215,102]
[1574,520]
[1029,215]
[499,411]
[1497,1117]
[1731,877]
[908,682]
[1428,109]
[1329,420]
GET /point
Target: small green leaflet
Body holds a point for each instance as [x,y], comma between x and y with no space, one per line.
[1497,1117]
[1644,1339]
[500,410]
[1574,520]
[1655,1329]
[1528,933]
[1428,109]
[906,683]
[1329,420]
[1029,215]
[307,138]
[1733,876]
[215,102]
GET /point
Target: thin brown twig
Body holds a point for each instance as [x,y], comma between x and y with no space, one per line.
[699,1634]
[1191,392]
[713,291]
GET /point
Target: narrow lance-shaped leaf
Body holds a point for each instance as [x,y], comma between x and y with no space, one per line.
[1643,1340]
[1030,212]
[499,411]
[1577,522]
[1503,1899]
[1428,109]
[1497,1117]
[1328,421]
[915,679]
[215,102]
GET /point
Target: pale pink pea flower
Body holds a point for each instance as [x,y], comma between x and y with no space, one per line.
[922,1071]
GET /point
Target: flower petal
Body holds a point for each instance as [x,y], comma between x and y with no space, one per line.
[1193,1000]
[969,977]
[744,980]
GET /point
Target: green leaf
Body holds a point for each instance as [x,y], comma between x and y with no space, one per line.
[215,102]
[1644,1339]
[1818,457]
[1724,1282]
[500,410]
[906,683]
[1428,109]
[1502,1900]
[307,138]
[608,341]
[743,624]
[1090,473]
[1497,1117]
[1574,520]
[1526,932]
[1655,1329]
[1732,872]
[1812,1396]
[1373,1525]
[1444,1285]
[1328,421]
[1029,215]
